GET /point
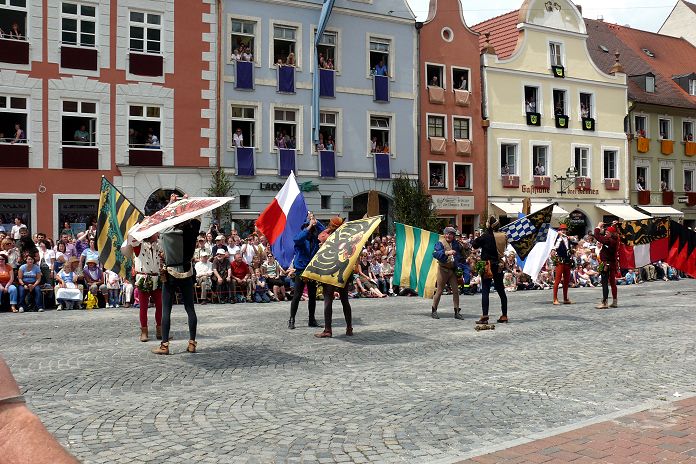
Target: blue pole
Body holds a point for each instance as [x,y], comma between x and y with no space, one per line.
[323,21]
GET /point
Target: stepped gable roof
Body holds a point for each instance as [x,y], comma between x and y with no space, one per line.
[672,57]
[503,33]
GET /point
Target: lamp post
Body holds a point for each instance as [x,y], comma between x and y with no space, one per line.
[566,181]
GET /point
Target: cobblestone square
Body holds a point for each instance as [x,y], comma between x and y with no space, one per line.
[405,388]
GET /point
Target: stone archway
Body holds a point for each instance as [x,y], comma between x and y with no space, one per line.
[578,223]
[159,199]
[386,208]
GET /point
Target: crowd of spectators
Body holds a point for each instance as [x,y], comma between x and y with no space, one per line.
[36,272]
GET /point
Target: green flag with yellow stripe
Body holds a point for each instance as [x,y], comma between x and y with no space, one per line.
[414,267]
[116,216]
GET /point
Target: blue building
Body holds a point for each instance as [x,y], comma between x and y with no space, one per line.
[362,67]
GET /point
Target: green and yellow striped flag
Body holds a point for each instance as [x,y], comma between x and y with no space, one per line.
[415,267]
[116,216]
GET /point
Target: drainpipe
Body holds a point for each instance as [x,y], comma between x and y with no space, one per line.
[418,26]
[218,85]
[326,10]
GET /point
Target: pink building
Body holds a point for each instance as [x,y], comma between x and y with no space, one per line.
[119,88]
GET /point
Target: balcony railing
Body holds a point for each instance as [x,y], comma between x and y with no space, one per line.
[144,64]
[144,156]
[80,157]
[14,51]
[14,155]
[78,58]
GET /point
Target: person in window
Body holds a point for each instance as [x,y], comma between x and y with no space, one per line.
[330,145]
[81,135]
[132,138]
[558,110]
[385,148]
[462,85]
[329,64]
[530,105]
[291,59]
[584,110]
[505,170]
[19,136]
[434,82]
[292,143]
[640,184]
[322,61]
[689,138]
[381,69]
[236,56]
[461,180]
[663,136]
[15,33]
[539,170]
[373,145]
[687,187]
[152,139]
[246,53]
[664,187]
[238,138]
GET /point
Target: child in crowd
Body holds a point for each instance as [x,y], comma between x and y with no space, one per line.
[260,287]
[113,286]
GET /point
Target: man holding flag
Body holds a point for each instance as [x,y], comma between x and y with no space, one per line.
[610,244]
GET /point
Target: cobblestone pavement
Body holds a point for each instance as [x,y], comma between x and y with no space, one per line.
[405,388]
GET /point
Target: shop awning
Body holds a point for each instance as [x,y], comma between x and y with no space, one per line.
[625,212]
[512,208]
[661,211]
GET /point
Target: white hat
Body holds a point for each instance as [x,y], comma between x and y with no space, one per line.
[220,237]
[205,254]
[220,251]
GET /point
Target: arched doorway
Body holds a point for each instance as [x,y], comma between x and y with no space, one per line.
[577,223]
[386,209]
[159,199]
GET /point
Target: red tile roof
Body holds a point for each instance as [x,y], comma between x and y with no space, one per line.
[672,57]
[503,33]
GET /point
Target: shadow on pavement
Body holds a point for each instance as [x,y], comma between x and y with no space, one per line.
[381,337]
[241,356]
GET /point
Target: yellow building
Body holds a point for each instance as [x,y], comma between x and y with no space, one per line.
[556,120]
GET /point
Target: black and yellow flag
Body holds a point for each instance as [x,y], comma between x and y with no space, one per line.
[116,216]
[334,262]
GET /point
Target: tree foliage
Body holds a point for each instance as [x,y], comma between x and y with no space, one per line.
[221,185]
[414,206]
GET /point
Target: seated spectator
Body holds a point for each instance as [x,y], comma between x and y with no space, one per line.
[241,276]
[260,287]
[81,135]
[388,273]
[29,280]
[68,294]
[376,274]
[94,277]
[221,277]
[275,277]
[89,253]
[509,282]
[204,273]
[7,280]
[19,135]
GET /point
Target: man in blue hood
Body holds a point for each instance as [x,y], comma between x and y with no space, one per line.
[306,245]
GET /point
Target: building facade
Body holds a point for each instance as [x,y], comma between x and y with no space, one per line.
[556,121]
[122,88]
[364,134]
[452,138]
[661,121]
[680,22]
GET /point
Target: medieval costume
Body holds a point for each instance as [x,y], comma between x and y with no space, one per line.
[306,246]
[609,265]
[492,245]
[449,255]
[564,261]
[147,268]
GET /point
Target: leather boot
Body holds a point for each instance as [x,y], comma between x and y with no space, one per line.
[163,348]
[291,323]
[433,313]
[313,322]
[144,336]
[191,348]
[614,303]
[456,313]
[602,305]
[158,332]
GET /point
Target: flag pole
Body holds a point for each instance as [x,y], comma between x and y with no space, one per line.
[124,195]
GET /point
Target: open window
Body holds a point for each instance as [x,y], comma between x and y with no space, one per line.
[532,105]
[560,108]
[642,179]
[581,161]
[641,123]
[435,75]
[243,39]
[540,160]
[508,159]
[665,129]
[436,134]
[285,45]
[688,131]
[437,175]
[689,180]
[587,111]
[380,64]
[79,123]
[14,46]
[285,127]
[556,59]
[243,122]
[462,176]
[650,83]
[380,134]
[13,119]
[666,179]
[144,127]
[326,48]
[460,79]
[327,131]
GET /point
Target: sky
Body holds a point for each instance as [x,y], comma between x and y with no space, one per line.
[640,14]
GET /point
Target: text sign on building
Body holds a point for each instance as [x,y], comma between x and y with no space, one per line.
[453,202]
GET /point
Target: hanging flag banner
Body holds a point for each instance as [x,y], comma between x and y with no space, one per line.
[334,262]
[175,213]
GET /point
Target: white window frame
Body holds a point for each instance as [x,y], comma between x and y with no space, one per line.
[257,42]
[575,146]
[258,130]
[391,65]
[692,87]
[561,50]
[445,171]
[468,118]
[298,41]
[617,161]
[647,124]
[145,25]
[443,73]
[593,110]
[24,111]
[470,178]
[24,9]
[670,168]
[338,148]
[337,48]
[693,178]
[460,68]
[299,125]
[644,164]
[566,108]
[518,155]
[392,132]
[79,113]
[444,124]
[670,123]
[540,98]
[693,128]
[549,159]
[147,118]
[79,18]
[649,88]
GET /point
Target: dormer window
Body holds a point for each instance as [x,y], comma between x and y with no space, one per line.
[692,87]
[650,83]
